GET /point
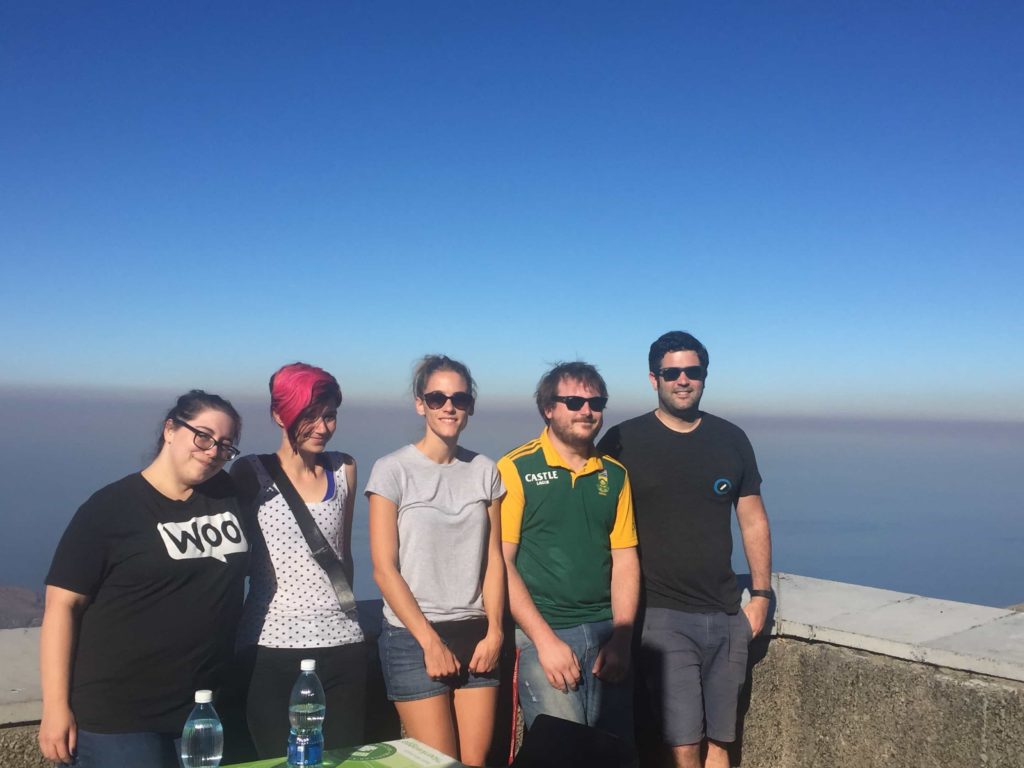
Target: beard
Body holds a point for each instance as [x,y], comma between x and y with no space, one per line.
[688,412]
[570,437]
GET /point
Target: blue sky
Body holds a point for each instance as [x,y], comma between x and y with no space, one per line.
[830,195]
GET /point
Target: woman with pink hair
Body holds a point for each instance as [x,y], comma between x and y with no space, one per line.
[295,608]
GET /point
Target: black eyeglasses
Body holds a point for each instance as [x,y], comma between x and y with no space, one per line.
[204,441]
[693,372]
[575,402]
[463,401]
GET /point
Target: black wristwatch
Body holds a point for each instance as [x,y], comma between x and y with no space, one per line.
[767,593]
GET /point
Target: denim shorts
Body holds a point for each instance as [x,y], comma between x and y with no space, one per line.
[405,673]
[694,665]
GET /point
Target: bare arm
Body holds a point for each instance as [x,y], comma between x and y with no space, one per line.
[58,733]
[485,656]
[613,659]
[556,658]
[757,545]
[384,551]
[346,522]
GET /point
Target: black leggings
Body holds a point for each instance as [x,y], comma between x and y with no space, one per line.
[342,672]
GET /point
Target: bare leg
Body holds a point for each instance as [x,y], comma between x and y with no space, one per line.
[430,721]
[718,755]
[687,756]
[474,718]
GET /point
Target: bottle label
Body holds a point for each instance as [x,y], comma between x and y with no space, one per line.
[305,750]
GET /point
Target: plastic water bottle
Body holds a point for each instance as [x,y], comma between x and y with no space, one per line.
[202,740]
[306,709]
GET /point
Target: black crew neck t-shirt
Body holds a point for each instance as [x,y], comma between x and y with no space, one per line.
[166,581]
[685,486]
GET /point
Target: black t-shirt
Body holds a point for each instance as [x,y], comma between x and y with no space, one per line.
[166,580]
[684,488]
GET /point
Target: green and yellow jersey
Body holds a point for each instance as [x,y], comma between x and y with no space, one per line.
[566,524]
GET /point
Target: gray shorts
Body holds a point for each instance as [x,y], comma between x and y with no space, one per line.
[694,665]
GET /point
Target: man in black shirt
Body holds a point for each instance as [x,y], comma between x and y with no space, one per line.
[689,469]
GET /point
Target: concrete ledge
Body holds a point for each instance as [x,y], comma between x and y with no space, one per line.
[973,638]
[20,697]
[816,705]
[846,676]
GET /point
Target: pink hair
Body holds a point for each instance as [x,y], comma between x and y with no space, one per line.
[295,386]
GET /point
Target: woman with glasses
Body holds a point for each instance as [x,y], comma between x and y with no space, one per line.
[434,539]
[293,610]
[143,598]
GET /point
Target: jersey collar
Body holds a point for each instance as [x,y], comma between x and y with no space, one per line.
[553,459]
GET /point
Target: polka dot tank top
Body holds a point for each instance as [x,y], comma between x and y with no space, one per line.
[291,603]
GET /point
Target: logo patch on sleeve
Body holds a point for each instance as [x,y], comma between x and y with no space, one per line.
[215,536]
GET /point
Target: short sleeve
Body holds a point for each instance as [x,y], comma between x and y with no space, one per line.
[624,530]
[80,560]
[513,503]
[750,483]
[385,481]
[497,486]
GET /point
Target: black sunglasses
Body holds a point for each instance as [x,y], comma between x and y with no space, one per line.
[463,401]
[575,402]
[204,441]
[693,372]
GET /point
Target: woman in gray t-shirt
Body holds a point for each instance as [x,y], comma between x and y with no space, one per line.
[435,543]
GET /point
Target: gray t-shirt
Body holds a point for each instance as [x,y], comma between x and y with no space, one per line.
[443,527]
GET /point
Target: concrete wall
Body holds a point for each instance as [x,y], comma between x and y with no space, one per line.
[813,705]
[847,677]
[20,703]
[861,677]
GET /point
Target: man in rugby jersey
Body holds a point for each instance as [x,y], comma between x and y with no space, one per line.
[573,572]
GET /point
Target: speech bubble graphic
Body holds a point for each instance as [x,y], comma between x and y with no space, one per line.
[215,536]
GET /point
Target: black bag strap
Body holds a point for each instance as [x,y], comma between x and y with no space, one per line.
[322,552]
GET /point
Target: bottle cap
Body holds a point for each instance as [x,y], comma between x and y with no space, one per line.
[204,697]
[308,665]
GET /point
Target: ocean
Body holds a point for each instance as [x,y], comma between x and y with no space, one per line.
[926,507]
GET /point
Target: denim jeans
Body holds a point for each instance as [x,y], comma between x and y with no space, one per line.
[599,704]
[113,750]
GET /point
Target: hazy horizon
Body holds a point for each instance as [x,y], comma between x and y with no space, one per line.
[255,398]
[921,507]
